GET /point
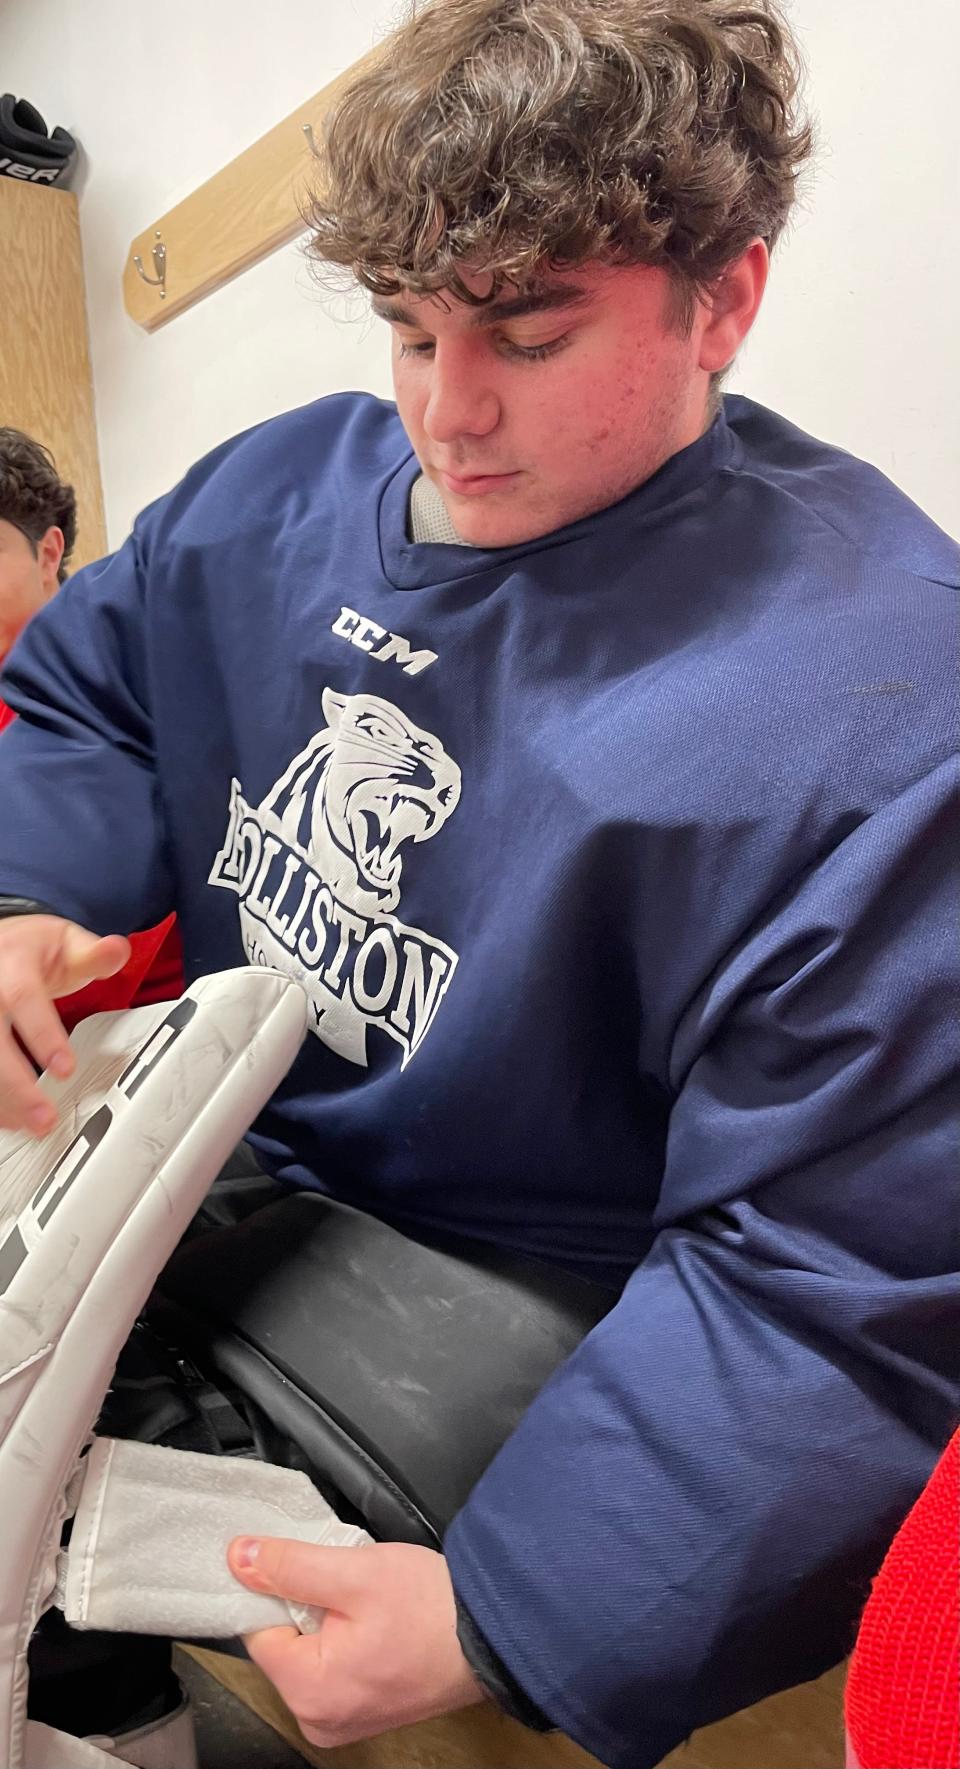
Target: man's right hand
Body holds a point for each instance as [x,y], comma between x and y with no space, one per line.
[43,957]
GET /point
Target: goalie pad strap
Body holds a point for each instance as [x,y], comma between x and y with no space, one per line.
[147,1553]
[46,1748]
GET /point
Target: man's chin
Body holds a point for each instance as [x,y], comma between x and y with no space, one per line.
[484,525]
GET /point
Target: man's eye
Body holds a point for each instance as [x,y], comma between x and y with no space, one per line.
[519,352]
[534,352]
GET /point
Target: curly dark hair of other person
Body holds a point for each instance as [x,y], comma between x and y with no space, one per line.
[32,495]
[511,136]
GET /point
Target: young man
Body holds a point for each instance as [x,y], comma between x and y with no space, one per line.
[38,530]
[591,773]
[38,527]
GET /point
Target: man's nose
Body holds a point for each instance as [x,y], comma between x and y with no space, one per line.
[462,401]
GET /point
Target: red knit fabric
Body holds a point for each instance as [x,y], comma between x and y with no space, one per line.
[903,1690]
[153,972]
[6,716]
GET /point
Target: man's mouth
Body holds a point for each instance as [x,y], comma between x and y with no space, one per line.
[471,485]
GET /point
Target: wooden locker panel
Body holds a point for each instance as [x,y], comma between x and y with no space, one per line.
[46,387]
[801,1728]
[246,210]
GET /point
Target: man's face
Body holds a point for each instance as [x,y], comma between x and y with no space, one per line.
[548,404]
[27,580]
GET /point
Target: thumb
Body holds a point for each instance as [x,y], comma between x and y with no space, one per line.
[327,1578]
[86,957]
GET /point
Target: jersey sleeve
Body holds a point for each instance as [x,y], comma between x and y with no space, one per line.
[688,1516]
[81,827]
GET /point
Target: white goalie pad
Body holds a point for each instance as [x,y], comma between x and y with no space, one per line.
[88,1217]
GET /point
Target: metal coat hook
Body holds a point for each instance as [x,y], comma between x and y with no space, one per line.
[308,132]
[159,256]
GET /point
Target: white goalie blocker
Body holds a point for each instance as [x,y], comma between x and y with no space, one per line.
[159,1099]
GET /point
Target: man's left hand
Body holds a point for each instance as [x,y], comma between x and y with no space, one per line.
[387,1653]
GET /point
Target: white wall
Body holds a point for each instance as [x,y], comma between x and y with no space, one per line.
[857,340]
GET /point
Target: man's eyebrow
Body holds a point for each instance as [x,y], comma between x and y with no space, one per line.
[392,312]
[534,301]
[513,307]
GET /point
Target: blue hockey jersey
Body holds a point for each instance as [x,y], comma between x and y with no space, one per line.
[615,868]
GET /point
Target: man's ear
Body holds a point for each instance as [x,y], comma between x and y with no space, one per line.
[733,304]
[49,555]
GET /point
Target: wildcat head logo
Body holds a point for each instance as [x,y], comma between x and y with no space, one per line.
[368,783]
[318,866]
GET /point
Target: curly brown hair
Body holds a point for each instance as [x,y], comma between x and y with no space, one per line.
[514,135]
[32,495]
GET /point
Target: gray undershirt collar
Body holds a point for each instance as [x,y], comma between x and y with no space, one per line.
[429,519]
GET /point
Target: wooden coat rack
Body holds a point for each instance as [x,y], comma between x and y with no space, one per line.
[245,211]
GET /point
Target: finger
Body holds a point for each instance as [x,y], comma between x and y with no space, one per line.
[87,958]
[330,1578]
[23,1105]
[294,1666]
[270,1648]
[31,1013]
